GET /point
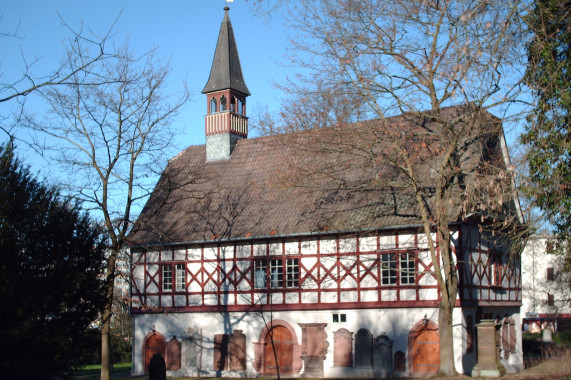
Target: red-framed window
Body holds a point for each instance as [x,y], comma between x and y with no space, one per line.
[275,273]
[173,277]
[401,266]
[407,268]
[389,269]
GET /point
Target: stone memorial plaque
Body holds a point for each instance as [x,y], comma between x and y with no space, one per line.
[363,349]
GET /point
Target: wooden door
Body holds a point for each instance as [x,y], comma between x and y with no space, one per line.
[156,344]
[283,344]
[426,351]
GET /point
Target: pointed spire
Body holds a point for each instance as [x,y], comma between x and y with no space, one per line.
[226,72]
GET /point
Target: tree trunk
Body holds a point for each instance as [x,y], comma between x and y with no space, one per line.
[105,352]
[106,317]
[445,328]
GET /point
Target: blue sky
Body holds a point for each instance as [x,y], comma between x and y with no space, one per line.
[183,30]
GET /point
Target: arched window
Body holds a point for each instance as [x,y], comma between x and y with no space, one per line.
[233,105]
[240,107]
[223,105]
[213,105]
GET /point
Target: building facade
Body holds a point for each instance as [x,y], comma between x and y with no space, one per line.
[235,272]
[546,288]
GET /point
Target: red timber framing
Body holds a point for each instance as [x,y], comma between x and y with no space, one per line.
[488,275]
[318,273]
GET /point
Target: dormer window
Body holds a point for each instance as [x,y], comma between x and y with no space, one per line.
[213,105]
[223,105]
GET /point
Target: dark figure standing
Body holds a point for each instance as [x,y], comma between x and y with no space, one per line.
[157,368]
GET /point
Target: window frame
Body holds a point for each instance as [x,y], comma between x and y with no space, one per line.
[389,269]
[550,300]
[292,272]
[260,274]
[276,273]
[213,108]
[173,277]
[408,274]
[223,103]
[179,282]
[166,272]
[339,318]
[240,107]
[550,274]
[233,104]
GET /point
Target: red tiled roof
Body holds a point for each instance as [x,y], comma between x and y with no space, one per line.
[333,179]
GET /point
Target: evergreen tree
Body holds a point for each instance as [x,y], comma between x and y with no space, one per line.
[548,131]
[50,284]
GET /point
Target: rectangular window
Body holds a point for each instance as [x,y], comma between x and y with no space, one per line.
[276,274]
[167,277]
[550,300]
[388,269]
[339,318]
[550,274]
[180,284]
[272,272]
[292,273]
[407,268]
[176,273]
[260,274]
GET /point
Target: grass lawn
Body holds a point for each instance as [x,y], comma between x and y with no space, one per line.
[549,366]
[93,371]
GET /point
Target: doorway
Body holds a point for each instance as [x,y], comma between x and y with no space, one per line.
[424,348]
[279,339]
[154,344]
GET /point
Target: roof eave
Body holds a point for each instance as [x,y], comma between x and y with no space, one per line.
[282,236]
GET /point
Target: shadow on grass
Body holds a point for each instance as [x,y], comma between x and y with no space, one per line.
[92,372]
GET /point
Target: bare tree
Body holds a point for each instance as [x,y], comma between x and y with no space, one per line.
[87,49]
[110,127]
[414,58]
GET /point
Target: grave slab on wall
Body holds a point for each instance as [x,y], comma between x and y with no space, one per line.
[237,351]
[191,355]
[383,356]
[343,348]
[313,348]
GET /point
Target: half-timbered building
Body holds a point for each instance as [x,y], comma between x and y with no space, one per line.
[236,270]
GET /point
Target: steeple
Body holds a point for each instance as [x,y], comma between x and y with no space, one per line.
[226,72]
[226,93]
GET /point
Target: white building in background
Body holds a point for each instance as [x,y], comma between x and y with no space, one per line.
[235,273]
[546,288]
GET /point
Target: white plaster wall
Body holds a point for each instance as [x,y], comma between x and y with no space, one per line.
[464,361]
[395,323]
[535,287]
